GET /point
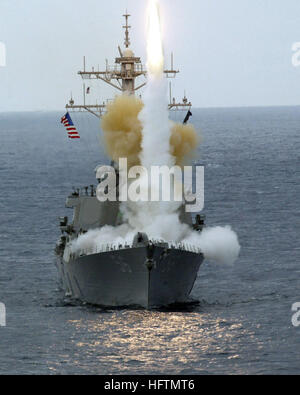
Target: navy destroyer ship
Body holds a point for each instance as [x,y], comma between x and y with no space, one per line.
[145,272]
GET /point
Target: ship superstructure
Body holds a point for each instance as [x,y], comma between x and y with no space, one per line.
[128,74]
[145,272]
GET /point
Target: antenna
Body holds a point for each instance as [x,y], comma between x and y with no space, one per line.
[126,27]
[185,100]
[120,51]
[71,100]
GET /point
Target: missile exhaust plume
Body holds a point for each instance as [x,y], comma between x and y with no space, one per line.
[155,55]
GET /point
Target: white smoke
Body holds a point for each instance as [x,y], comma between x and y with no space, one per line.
[218,244]
[159,220]
[156,132]
[107,235]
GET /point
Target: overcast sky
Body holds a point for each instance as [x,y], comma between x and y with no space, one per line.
[230,52]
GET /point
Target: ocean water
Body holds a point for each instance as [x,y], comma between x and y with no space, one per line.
[242,324]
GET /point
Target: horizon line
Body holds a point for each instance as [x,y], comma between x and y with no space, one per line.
[195,108]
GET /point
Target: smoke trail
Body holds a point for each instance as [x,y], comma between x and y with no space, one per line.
[154,115]
[154,218]
[156,132]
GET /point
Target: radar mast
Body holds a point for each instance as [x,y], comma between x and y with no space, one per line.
[121,76]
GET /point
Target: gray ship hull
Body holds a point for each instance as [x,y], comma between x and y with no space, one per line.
[126,277]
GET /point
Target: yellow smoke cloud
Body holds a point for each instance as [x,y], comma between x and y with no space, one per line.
[183,143]
[123,133]
[122,129]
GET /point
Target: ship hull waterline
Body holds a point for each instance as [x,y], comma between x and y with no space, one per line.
[126,277]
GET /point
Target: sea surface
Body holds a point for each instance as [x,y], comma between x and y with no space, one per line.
[242,323]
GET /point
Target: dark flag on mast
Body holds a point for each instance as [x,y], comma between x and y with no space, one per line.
[70,127]
[188,115]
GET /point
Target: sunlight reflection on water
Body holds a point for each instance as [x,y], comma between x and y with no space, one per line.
[146,341]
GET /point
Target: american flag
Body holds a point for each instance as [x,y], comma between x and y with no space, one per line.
[69,125]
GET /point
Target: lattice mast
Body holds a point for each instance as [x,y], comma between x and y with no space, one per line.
[122,76]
